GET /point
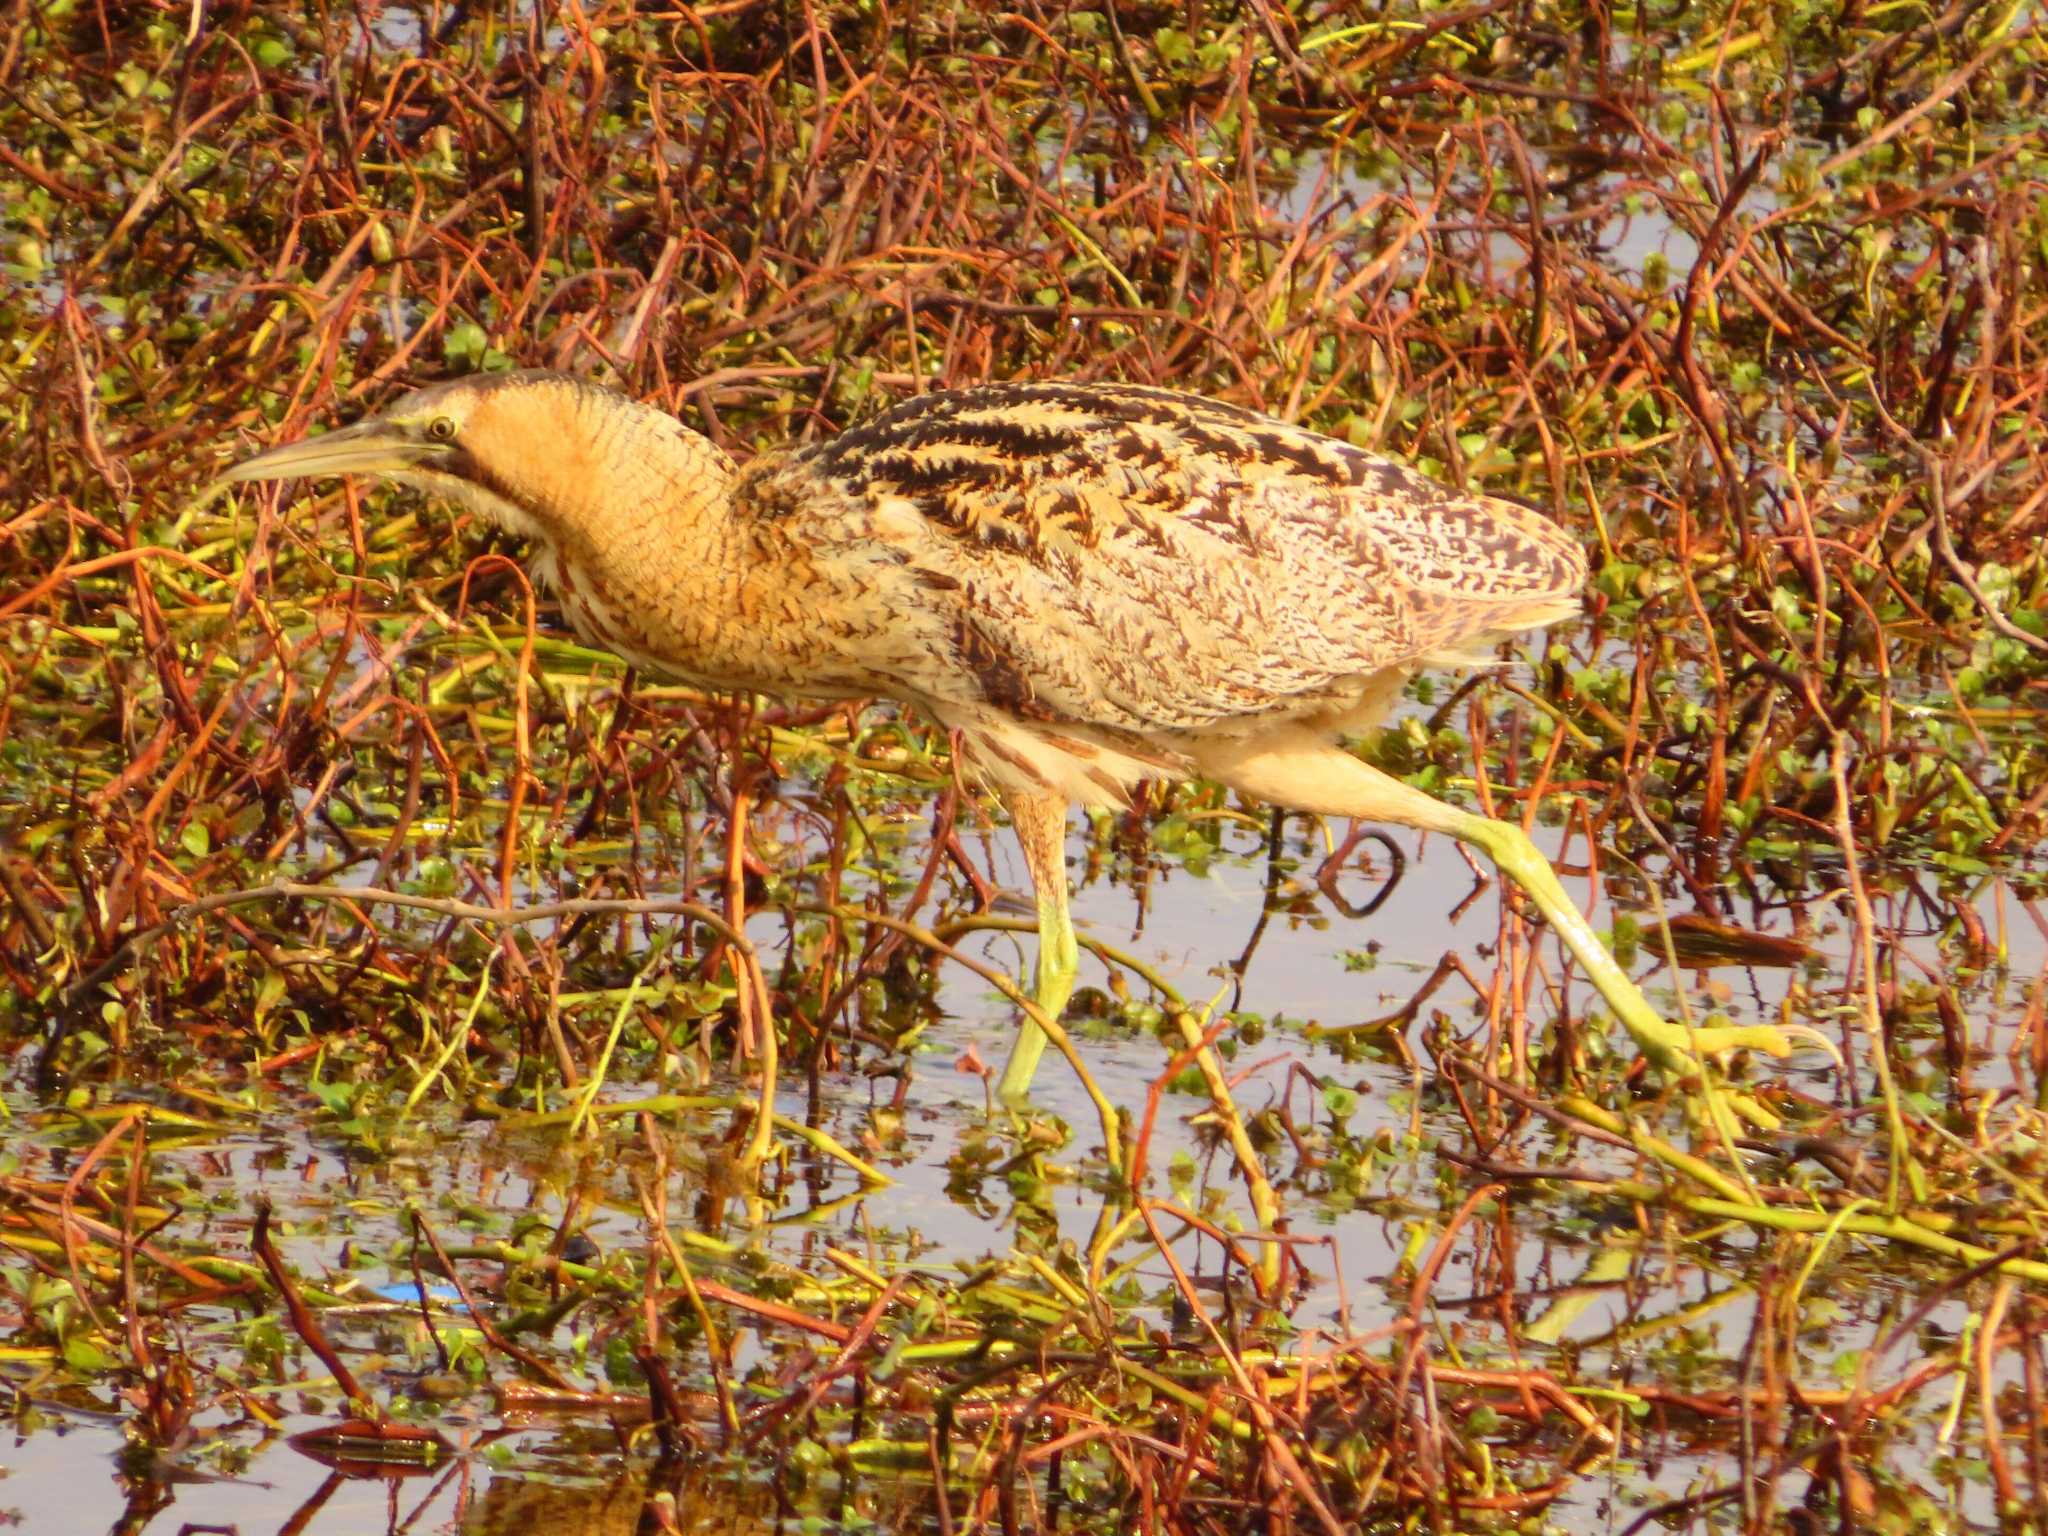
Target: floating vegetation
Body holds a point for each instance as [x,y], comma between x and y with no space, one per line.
[458,1082]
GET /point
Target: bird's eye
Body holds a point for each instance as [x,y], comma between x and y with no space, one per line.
[442,429]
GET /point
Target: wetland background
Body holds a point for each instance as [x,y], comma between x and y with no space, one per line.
[1750,295]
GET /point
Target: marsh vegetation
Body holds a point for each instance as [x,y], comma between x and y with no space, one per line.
[385,979]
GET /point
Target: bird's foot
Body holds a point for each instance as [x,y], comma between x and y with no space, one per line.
[1779,1040]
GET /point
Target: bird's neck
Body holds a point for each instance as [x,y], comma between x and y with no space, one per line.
[630,510]
[595,475]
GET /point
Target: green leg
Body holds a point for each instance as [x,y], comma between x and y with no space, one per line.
[1059,963]
[1670,1046]
[1304,771]
[1041,823]
[1517,857]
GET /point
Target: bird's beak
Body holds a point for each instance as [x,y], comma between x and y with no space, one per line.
[373,447]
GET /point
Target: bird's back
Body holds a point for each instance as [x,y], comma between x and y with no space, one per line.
[1144,561]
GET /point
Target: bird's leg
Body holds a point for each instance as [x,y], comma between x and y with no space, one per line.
[1314,775]
[1678,1049]
[1041,822]
[1665,1043]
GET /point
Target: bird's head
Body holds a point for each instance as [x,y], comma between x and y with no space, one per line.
[534,453]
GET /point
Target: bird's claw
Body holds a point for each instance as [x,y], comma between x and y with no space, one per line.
[1779,1040]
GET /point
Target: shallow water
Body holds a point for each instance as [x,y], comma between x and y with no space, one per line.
[63,1468]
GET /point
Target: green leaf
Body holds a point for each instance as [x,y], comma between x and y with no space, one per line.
[465,344]
[269,992]
[337,1098]
[85,1356]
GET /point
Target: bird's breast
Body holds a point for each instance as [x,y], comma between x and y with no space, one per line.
[755,621]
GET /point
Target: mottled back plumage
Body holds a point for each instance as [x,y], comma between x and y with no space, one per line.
[1105,571]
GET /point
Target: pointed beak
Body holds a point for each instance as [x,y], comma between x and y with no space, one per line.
[373,447]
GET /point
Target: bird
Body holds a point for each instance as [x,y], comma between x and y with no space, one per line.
[1091,585]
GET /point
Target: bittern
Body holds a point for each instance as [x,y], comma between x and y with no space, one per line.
[1093,585]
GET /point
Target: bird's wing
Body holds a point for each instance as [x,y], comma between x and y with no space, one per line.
[1137,560]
